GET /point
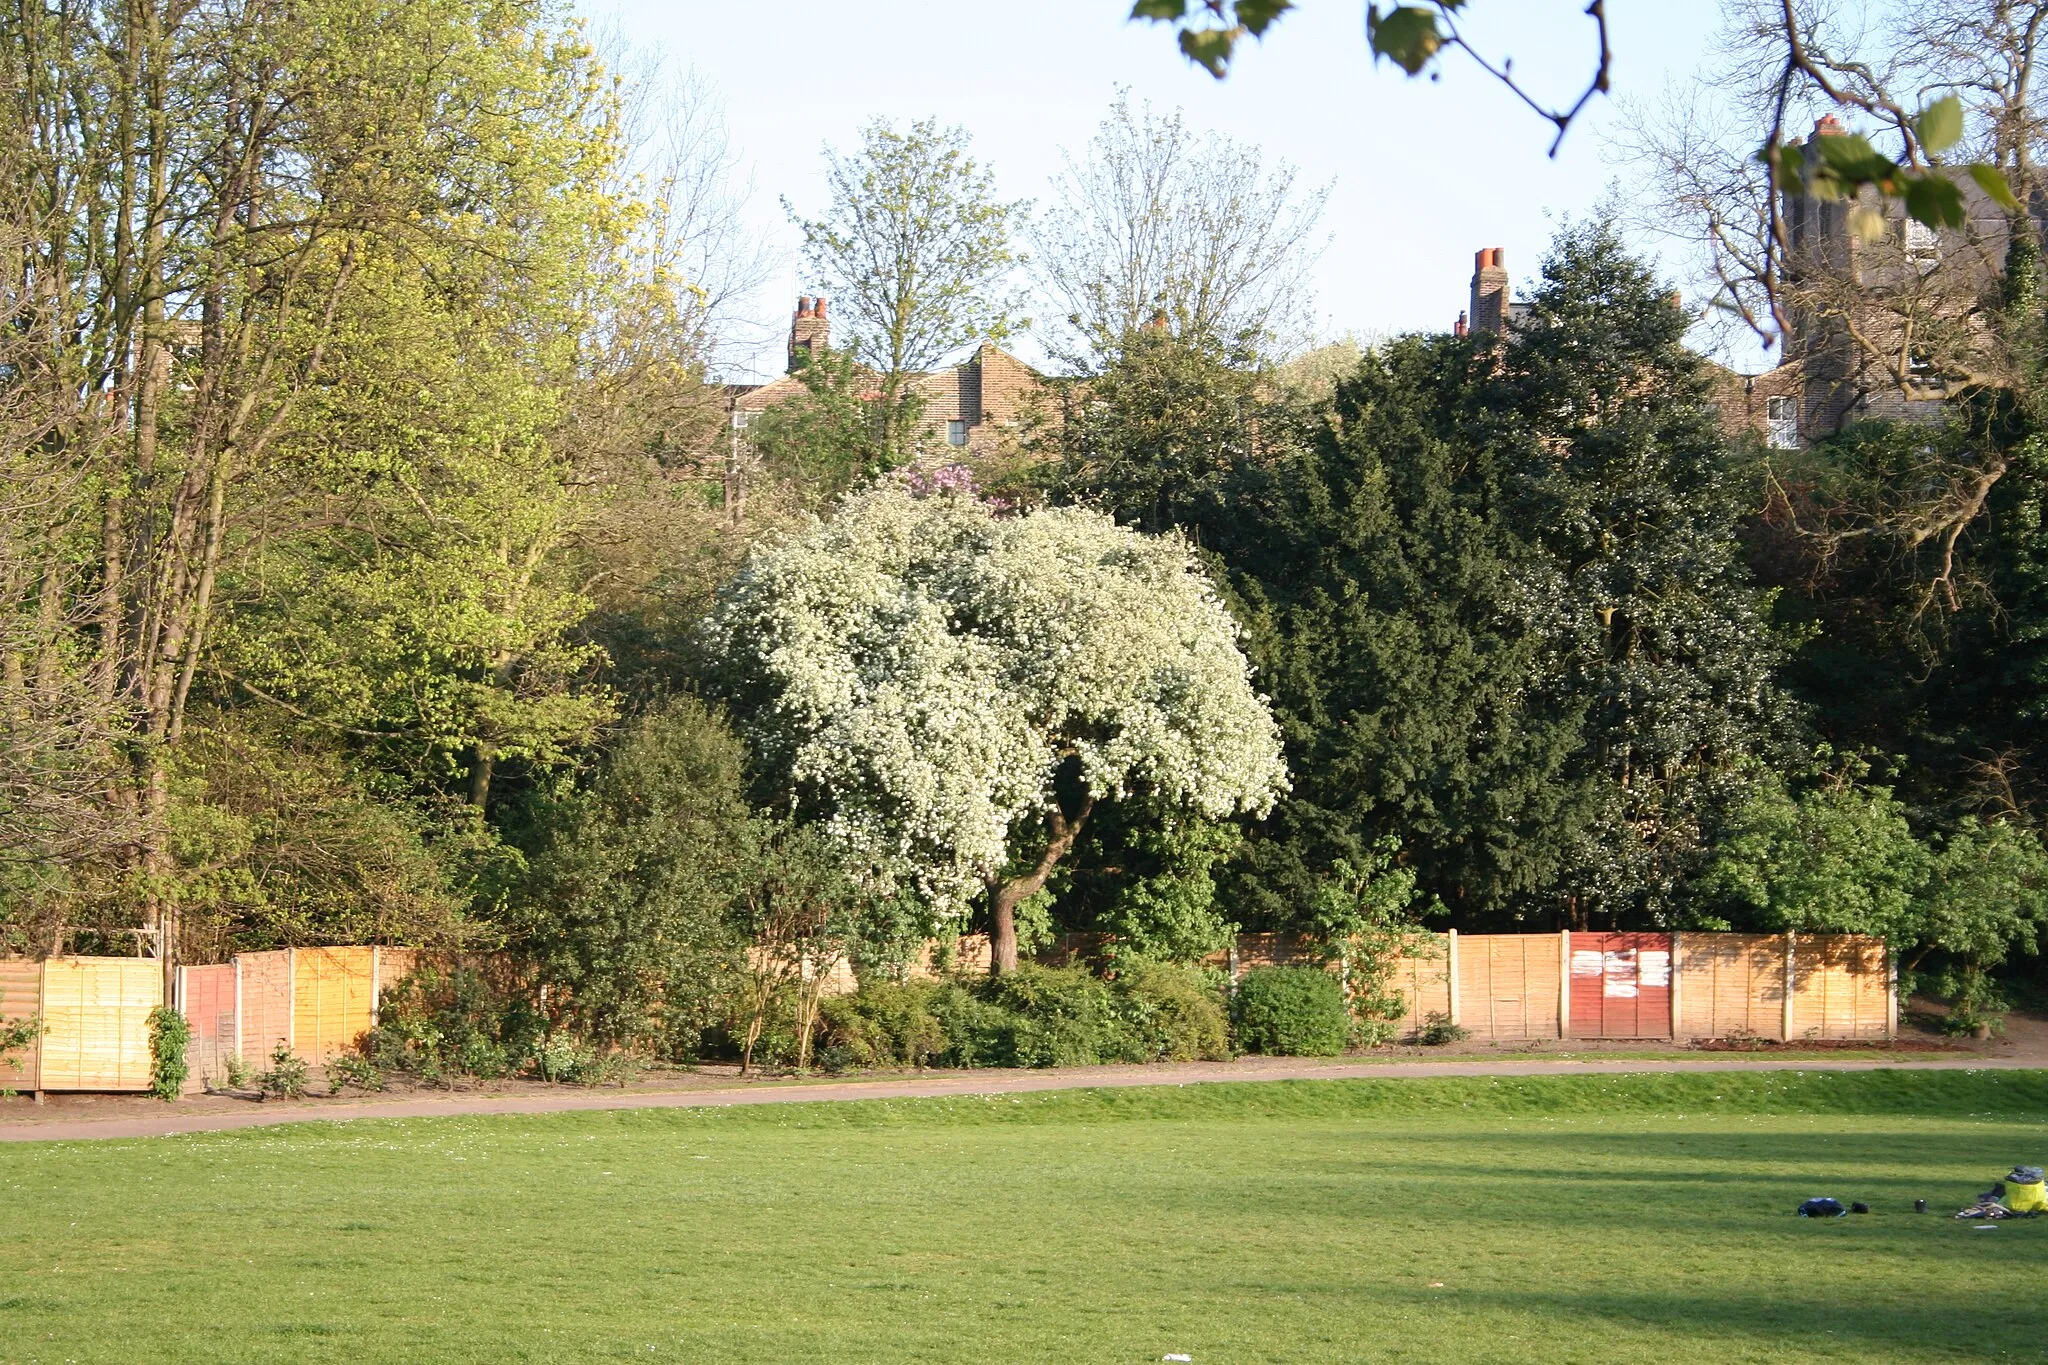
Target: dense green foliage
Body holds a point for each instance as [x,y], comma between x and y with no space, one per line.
[1291,1011]
[169,1035]
[441,1024]
[1034,1016]
[1301,1221]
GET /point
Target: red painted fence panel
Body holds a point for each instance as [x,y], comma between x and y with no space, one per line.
[207,997]
[1621,985]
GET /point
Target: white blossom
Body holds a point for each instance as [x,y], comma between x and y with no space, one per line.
[922,667]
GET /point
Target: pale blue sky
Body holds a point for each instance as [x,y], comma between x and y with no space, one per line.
[1423,174]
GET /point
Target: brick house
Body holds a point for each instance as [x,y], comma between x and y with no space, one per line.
[975,408]
[1859,307]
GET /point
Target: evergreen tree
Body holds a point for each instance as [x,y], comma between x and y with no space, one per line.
[1406,629]
[1666,642]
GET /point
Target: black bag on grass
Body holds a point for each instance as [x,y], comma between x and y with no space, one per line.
[1823,1208]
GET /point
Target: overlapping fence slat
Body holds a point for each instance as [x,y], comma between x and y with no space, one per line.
[1508,985]
[265,995]
[96,1022]
[333,1000]
[1841,987]
[1421,979]
[1731,985]
[1620,985]
[206,996]
[21,997]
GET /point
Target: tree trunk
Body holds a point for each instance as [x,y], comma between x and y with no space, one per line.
[481,770]
[1006,896]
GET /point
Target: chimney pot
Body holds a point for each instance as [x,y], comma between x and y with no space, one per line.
[803,305]
[819,310]
[1827,125]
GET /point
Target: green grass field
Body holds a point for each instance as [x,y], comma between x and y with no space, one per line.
[1615,1218]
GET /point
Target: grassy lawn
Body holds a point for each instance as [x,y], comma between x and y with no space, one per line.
[1598,1218]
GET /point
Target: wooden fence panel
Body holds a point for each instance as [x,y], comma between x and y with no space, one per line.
[266,1004]
[21,997]
[1730,985]
[1508,985]
[96,1022]
[1841,987]
[1279,950]
[1620,985]
[333,1000]
[206,995]
[1421,979]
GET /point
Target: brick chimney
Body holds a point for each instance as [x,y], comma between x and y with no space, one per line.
[1459,328]
[1489,310]
[1827,125]
[809,332]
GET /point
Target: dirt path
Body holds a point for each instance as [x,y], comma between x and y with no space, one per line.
[164,1122]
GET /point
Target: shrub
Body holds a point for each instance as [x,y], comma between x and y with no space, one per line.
[885,1024]
[978,1032]
[287,1074]
[1437,1029]
[564,1060]
[1170,1014]
[439,1025]
[356,1070]
[169,1035]
[1064,1016]
[1291,1012]
[1034,1016]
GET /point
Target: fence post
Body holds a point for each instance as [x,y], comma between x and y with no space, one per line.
[1455,1011]
[1563,983]
[239,1056]
[291,999]
[376,980]
[37,1011]
[1233,962]
[1791,980]
[1891,1022]
[1674,985]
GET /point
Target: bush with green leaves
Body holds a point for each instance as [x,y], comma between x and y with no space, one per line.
[287,1074]
[1035,1016]
[1291,1012]
[353,1069]
[1170,1014]
[1438,1030]
[629,912]
[886,1023]
[440,1025]
[169,1036]
[1842,857]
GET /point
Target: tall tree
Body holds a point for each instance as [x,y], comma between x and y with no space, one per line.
[215,211]
[1668,641]
[954,692]
[915,247]
[1152,220]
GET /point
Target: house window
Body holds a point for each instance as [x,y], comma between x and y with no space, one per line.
[956,433]
[1782,423]
[1923,245]
[740,418]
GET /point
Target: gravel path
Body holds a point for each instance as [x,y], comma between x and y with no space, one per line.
[926,1085]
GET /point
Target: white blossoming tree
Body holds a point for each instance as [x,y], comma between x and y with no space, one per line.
[954,691]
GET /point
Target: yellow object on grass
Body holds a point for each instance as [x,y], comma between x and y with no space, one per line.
[2027,1198]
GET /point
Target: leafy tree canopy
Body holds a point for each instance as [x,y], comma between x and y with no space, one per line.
[952,691]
